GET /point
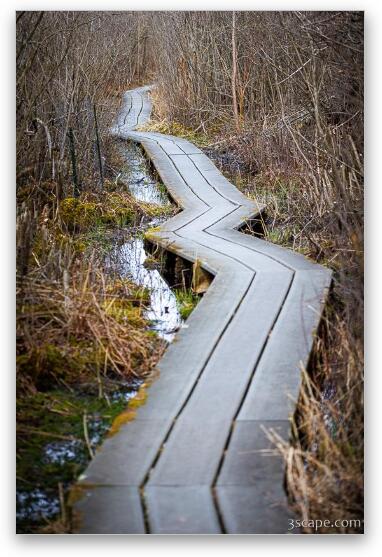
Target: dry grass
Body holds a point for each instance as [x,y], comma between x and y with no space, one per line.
[322,218]
[324,462]
[82,336]
[314,194]
[73,318]
[81,327]
[297,144]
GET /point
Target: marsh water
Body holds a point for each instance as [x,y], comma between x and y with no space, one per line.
[127,258]
[130,259]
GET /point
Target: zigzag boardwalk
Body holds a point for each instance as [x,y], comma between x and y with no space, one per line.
[192,461]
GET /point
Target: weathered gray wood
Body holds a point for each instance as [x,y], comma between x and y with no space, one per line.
[218,181]
[250,258]
[259,509]
[124,458]
[276,384]
[181,510]
[284,256]
[251,456]
[198,184]
[249,490]
[109,510]
[218,394]
[187,147]
[194,448]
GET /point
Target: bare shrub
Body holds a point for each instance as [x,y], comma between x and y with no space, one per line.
[282,93]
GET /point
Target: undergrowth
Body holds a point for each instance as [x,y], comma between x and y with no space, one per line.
[321,216]
[186,300]
[83,343]
[324,462]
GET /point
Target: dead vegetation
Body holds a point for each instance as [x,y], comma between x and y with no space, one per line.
[82,340]
[276,98]
[84,328]
[72,68]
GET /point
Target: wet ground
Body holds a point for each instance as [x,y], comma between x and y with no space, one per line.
[127,259]
[131,260]
[136,174]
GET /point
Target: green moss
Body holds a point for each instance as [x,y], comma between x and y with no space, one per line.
[124,312]
[279,236]
[150,233]
[95,238]
[78,215]
[129,413]
[140,295]
[51,446]
[117,210]
[151,263]
[187,301]
[162,188]
[154,210]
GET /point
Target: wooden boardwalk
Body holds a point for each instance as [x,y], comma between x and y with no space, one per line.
[195,460]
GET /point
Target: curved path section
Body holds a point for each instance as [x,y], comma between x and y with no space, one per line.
[196,458]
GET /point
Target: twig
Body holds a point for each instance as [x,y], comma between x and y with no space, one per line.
[62,502]
[25,429]
[86,435]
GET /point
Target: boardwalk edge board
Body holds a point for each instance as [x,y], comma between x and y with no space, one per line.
[197,459]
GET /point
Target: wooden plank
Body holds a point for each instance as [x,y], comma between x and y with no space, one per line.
[219,392]
[185,359]
[187,147]
[235,363]
[275,388]
[249,489]
[193,451]
[197,183]
[260,509]
[169,175]
[175,510]
[251,456]
[146,105]
[136,106]
[109,510]
[191,251]
[125,458]
[227,248]
[286,257]
[216,179]
[168,146]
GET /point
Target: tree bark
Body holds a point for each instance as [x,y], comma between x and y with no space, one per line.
[234,74]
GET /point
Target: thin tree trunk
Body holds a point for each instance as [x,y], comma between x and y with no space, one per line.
[76,184]
[98,146]
[234,73]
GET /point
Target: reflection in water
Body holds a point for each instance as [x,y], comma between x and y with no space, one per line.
[135,174]
[35,504]
[60,452]
[128,260]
